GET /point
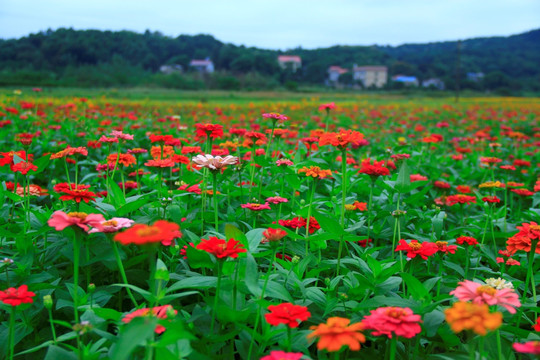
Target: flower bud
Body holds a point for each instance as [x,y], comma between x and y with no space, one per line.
[91,288]
[48,302]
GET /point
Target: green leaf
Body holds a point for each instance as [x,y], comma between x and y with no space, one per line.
[136,333]
[198,282]
[403,182]
[56,352]
[432,321]
[329,224]
[42,163]
[132,205]
[199,258]
[117,195]
[414,286]
[232,232]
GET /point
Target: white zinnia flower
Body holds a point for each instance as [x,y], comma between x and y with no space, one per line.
[499,283]
[214,163]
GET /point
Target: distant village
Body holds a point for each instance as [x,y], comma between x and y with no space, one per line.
[357,77]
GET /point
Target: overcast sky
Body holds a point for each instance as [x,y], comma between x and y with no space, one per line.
[281,24]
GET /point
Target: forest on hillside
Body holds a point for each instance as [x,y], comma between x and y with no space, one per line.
[67,57]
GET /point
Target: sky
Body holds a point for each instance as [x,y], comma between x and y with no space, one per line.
[281,24]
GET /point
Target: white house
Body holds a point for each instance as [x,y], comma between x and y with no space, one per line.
[205,66]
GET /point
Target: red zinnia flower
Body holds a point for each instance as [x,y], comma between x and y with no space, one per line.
[212,130]
[288,314]
[373,170]
[24,167]
[467,240]
[159,311]
[78,195]
[460,199]
[17,296]
[221,248]
[443,247]
[414,248]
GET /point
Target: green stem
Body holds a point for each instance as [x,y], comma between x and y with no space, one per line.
[76,259]
[12,332]
[393,347]
[257,317]
[289,339]
[499,345]
[311,195]
[467,262]
[530,275]
[216,220]
[396,226]
[67,171]
[214,308]
[270,140]
[51,322]
[343,199]
[122,272]
[369,208]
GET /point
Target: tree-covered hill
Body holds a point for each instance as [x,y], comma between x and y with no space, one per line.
[107,58]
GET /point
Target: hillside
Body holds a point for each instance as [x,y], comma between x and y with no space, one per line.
[106,58]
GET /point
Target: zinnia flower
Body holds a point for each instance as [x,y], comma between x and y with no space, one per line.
[315,172]
[113,225]
[256,207]
[341,139]
[415,248]
[485,294]
[17,296]
[212,130]
[288,314]
[373,170]
[337,333]
[282,355]
[214,163]
[60,220]
[141,234]
[467,240]
[470,316]
[273,235]
[159,311]
[221,248]
[393,321]
[530,347]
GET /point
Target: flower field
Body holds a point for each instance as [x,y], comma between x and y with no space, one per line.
[268,230]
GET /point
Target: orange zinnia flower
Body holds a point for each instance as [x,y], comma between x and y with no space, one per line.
[469,316]
[341,139]
[315,172]
[337,333]
[123,159]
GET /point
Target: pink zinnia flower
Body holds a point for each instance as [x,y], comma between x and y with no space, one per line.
[105,139]
[417,177]
[276,200]
[485,294]
[60,220]
[282,355]
[393,321]
[121,135]
[113,225]
[530,347]
[256,207]
[284,162]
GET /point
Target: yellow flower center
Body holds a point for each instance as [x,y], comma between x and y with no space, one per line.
[148,231]
[486,289]
[110,223]
[79,215]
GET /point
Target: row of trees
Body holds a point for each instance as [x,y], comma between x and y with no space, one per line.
[105,58]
